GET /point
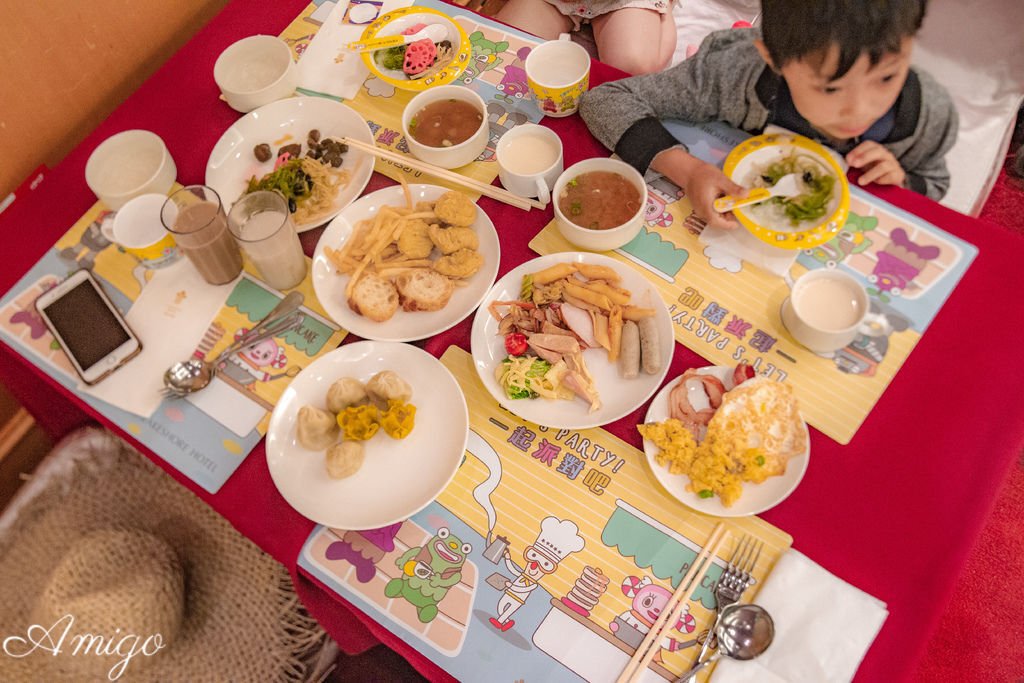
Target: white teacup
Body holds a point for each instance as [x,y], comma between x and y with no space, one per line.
[255,71]
[825,309]
[137,229]
[529,160]
[129,164]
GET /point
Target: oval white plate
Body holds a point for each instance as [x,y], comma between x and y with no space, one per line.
[756,498]
[232,163]
[400,476]
[619,396]
[403,325]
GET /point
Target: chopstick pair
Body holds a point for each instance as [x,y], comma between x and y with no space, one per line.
[649,647]
[470,183]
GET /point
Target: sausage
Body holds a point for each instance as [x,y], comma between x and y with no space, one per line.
[629,356]
[650,345]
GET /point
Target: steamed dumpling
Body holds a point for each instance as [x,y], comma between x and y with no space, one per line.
[346,392]
[344,459]
[388,386]
[317,429]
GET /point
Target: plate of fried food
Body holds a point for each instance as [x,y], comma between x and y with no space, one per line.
[726,442]
[572,340]
[405,262]
[293,147]
[367,435]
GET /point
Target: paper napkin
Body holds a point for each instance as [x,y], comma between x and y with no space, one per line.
[173,310]
[823,627]
[326,68]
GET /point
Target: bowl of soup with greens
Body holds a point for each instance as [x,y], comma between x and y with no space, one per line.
[446,126]
[599,203]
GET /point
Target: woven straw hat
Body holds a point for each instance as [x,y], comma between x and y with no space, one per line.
[114,558]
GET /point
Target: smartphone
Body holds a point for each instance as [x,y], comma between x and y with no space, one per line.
[88,326]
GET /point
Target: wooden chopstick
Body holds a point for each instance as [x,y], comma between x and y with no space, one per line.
[649,647]
[491,191]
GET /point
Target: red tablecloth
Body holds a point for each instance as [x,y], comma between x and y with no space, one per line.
[895,512]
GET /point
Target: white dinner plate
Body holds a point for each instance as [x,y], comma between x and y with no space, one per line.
[756,498]
[619,396]
[403,325]
[399,476]
[232,162]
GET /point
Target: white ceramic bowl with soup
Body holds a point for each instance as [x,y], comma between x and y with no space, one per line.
[599,203]
[446,126]
[255,71]
[825,309]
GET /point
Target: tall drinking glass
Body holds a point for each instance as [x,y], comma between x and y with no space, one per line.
[195,216]
[262,224]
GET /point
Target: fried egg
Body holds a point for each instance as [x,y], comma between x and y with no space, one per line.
[766,412]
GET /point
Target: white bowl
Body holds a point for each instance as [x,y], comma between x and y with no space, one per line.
[129,164]
[599,240]
[255,71]
[456,155]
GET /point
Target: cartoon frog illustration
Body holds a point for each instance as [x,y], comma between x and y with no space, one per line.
[428,572]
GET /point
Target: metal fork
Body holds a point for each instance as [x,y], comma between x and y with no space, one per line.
[737,578]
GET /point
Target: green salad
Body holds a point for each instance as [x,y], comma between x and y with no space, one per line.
[818,184]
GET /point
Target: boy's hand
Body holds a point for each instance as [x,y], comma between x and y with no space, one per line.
[703,184]
[878,165]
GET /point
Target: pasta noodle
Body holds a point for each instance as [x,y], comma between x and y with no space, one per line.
[326,183]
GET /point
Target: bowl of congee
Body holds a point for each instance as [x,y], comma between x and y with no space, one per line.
[446,126]
[599,203]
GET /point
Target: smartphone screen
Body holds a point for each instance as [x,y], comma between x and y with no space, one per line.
[87,326]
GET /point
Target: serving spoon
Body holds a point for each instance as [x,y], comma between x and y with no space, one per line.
[435,32]
[186,377]
[744,632]
[787,186]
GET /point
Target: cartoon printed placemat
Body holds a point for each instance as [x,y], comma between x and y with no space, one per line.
[546,558]
[727,311]
[207,436]
[495,72]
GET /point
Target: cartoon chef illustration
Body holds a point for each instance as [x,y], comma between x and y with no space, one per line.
[250,366]
[557,539]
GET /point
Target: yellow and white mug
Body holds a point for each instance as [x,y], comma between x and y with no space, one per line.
[137,229]
[558,73]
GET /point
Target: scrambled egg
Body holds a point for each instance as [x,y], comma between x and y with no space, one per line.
[750,438]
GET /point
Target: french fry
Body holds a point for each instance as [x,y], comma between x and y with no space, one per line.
[636,313]
[614,334]
[600,321]
[615,294]
[555,272]
[584,294]
[596,272]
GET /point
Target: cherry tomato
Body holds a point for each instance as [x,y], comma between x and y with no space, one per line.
[515,343]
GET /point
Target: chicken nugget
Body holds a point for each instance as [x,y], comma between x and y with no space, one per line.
[415,242]
[423,206]
[455,208]
[450,240]
[460,264]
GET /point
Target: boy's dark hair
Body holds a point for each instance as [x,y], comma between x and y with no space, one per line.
[794,29]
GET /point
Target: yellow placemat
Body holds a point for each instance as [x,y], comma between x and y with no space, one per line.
[495,73]
[584,497]
[728,312]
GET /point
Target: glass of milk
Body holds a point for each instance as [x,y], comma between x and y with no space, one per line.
[825,309]
[263,226]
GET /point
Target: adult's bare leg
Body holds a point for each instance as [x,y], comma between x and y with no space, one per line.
[635,39]
[535,16]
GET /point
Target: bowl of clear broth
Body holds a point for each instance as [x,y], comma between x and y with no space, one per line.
[599,203]
[446,126]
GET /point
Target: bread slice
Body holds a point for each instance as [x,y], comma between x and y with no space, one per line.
[374,297]
[424,290]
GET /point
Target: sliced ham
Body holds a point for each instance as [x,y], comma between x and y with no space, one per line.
[580,322]
[558,343]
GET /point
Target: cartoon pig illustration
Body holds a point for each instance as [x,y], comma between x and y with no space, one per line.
[649,599]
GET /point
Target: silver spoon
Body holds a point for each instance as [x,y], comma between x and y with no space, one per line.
[744,632]
[186,377]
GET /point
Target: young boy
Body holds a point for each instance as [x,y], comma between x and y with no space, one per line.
[836,71]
